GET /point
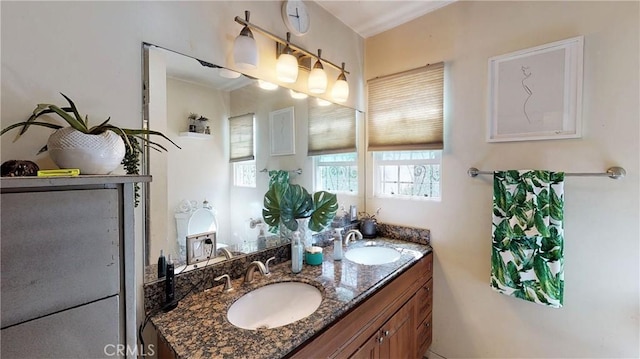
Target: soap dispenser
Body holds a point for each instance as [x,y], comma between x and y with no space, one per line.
[296,253]
[262,239]
[337,245]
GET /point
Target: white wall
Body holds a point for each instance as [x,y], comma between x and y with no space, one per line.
[91,51]
[600,316]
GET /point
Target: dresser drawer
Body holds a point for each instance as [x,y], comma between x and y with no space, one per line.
[424,298]
[59,249]
[424,337]
[88,331]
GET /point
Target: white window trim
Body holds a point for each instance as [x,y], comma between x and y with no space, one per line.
[377,182]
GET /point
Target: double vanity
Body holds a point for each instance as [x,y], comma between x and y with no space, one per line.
[337,309]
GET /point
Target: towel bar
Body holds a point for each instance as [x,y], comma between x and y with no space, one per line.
[298,171]
[612,172]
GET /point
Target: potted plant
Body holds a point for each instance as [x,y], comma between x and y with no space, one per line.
[369,224]
[292,206]
[93,149]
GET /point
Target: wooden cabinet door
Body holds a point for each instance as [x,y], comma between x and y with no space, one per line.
[399,334]
[370,349]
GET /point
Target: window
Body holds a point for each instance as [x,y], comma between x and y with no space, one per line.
[244,174]
[405,131]
[332,143]
[241,150]
[337,173]
[407,173]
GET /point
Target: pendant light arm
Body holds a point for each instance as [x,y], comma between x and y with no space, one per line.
[280,40]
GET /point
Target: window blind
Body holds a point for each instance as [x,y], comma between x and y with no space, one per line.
[405,110]
[332,129]
[241,138]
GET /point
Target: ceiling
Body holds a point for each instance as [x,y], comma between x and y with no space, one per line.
[371,17]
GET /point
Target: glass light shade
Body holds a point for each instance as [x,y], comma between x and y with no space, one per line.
[322,102]
[298,95]
[317,81]
[245,52]
[287,68]
[228,74]
[265,85]
[340,91]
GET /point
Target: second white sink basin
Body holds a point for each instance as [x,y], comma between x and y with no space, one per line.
[274,305]
[373,255]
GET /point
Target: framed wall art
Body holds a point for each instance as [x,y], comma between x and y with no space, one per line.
[536,93]
[281,123]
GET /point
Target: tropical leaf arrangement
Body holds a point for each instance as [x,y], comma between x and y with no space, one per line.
[71,116]
[285,202]
[527,256]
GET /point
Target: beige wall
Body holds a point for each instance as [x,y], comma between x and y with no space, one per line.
[600,316]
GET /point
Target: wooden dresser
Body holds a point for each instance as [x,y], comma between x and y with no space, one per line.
[68,275]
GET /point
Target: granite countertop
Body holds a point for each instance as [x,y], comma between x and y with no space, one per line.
[198,327]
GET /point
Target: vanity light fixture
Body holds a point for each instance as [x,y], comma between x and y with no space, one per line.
[287,65]
[340,91]
[317,77]
[298,95]
[265,85]
[245,49]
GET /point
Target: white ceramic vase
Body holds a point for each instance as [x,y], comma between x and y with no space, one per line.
[92,154]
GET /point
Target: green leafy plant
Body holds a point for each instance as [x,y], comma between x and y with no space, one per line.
[133,138]
[369,217]
[284,203]
[72,117]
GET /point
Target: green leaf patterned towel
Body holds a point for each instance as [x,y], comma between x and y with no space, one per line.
[527,253]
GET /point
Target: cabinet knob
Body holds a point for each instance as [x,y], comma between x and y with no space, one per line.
[428,289]
[386,333]
[427,324]
[380,340]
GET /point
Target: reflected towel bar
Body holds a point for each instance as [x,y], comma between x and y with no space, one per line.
[298,171]
[612,172]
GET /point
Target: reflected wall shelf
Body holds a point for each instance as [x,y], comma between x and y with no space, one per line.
[196,135]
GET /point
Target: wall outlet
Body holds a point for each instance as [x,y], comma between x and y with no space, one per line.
[200,247]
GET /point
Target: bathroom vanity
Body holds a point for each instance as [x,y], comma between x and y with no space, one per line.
[366,311]
[68,278]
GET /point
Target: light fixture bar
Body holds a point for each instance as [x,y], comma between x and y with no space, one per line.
[273,37]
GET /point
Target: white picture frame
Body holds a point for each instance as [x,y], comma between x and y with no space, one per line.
[282,129]
[536,93]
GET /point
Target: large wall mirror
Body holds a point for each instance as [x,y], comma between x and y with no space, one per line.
[200,177]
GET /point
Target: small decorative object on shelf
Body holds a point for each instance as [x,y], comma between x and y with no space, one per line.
[207,130]
[17,168]
[197,123]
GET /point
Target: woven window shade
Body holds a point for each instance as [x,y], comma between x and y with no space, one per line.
[405,110]
[332,129]
[241,138]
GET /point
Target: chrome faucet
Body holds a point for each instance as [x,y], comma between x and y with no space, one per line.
[351,234]
[227,254]
[227,284]
[248,276]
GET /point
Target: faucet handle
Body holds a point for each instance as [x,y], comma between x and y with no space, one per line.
[227,254]
[266,265]
[227,285]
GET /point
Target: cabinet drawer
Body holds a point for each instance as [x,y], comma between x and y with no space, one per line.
[427,272]
[59,249]
[423,339]
[424,299]
[88,331]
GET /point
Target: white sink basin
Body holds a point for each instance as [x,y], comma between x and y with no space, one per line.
[372,255]
[274,305]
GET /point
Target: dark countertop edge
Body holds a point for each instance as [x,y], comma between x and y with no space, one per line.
[339,312]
